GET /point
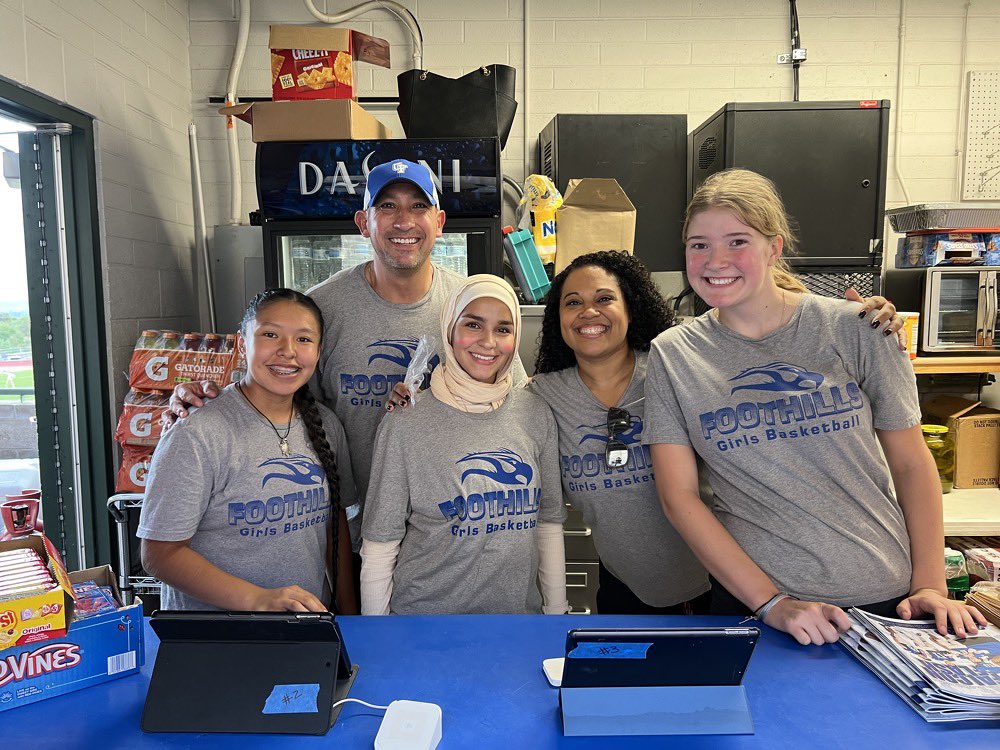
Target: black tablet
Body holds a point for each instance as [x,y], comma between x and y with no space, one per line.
[274,672]
[630,657]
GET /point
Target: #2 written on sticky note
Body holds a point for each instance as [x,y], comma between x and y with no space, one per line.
[292,699]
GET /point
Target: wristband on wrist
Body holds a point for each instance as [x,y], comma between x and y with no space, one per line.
[761,612]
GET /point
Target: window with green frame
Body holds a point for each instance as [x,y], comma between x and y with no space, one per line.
[68,338]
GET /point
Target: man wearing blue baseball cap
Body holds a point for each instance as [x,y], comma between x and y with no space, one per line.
[374,313]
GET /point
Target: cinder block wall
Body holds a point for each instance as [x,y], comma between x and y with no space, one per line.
[644,56]
[126,63]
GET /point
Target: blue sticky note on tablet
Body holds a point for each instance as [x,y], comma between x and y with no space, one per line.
[292,699]
[599,650]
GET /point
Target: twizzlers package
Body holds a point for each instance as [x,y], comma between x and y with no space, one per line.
[317,62]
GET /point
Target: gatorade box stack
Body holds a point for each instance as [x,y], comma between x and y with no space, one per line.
[160,361]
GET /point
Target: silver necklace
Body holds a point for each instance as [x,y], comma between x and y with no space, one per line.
[282,439]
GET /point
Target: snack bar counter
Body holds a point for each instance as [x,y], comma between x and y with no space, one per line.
[485,673]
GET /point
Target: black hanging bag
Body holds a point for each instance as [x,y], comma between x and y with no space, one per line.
[480,104]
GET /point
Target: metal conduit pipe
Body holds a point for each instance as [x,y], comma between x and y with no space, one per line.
[400,11]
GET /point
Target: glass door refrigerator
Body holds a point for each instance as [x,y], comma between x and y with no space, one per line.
[309,191]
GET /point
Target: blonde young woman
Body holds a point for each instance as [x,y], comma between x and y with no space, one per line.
[780,394]
[464,510]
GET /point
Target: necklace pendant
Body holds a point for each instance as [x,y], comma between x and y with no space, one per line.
[283,444]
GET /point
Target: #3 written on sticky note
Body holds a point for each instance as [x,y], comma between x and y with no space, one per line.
[292,699]
[596,650]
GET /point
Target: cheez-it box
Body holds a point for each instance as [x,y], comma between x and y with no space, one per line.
[317,62]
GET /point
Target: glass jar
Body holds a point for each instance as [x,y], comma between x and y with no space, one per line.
[942,447]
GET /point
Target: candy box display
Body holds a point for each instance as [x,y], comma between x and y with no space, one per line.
[36,598]
[98,648]
[162,359]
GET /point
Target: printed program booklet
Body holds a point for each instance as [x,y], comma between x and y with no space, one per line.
[942,678]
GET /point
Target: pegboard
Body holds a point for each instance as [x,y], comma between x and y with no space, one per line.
[981,176]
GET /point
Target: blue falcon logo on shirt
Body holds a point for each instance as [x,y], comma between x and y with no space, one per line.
[631,436]
[399,352]
[780,376]
[507,467]
[299,469]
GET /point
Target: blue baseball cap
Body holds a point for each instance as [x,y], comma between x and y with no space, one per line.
[400,170]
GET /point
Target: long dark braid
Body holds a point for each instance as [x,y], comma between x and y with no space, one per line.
[309,410]
[306,404]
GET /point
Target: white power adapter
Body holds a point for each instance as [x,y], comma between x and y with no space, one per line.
[409,725]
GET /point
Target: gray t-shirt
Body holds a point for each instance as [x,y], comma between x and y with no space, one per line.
[219,479]
[634,539]
[465,493]
[786,425]
[367,345]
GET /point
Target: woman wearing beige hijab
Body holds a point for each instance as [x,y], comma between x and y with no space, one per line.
[464,510]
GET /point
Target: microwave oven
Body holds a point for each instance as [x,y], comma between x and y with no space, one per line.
[957,305]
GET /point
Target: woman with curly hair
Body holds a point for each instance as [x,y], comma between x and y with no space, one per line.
[601,315]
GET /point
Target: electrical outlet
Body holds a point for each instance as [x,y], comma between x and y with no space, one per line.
[784,58]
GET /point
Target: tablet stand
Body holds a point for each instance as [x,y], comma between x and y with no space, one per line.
[608,711]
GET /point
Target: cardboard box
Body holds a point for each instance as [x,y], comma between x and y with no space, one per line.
[317,62]
[595,215]
[330,120]
[96,649]
[39,615]
[976,432]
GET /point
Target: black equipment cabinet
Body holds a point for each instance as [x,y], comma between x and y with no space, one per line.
[828,160]
[647,154]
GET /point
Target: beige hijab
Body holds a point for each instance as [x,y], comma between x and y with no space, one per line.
[450,383]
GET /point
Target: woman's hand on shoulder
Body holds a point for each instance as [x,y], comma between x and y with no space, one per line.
[964,620]
[883,315]
[285,599]
[808,622]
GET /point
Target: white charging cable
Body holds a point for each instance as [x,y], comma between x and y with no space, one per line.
[357,700]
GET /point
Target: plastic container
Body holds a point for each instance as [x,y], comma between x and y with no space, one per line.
[956,574]
[942,447]
[528,269]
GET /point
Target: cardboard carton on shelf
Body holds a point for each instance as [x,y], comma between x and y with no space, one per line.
[595,215]
[976,431]
[320,120]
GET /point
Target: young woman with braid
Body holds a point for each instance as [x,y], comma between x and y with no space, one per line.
[244,502]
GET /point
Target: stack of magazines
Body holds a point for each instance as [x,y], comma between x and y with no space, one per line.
[941,677]
[985,596]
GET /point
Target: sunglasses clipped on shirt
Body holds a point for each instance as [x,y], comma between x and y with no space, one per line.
[616,452]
